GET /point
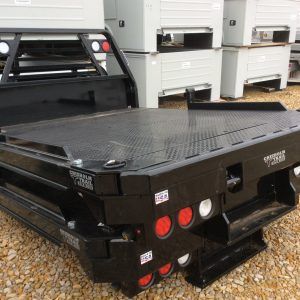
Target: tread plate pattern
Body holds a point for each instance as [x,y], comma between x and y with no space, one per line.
[155,134]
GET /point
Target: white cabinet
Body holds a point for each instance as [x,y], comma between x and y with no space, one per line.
[243,17]
[164,74]
[298,19]
[52,14]
[136,23]
[246,65]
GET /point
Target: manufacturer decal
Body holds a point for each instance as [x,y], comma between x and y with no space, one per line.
[82,180]
[70,239]
[186,65]
[146,257]
[261,59]
[275,159]
[161,197]
[22,2]
[216,6]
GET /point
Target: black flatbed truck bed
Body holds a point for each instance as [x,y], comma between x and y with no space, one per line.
[139,193]
[75,173]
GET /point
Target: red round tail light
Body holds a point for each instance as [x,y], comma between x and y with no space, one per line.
[165,270]
[105,46]
[185,217]
[146,281]
[163,226]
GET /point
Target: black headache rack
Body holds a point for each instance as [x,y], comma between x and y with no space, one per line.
[49,74]
[142,193]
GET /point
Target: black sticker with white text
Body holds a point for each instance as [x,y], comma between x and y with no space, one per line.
[275,158]
[70,239]
[82,180]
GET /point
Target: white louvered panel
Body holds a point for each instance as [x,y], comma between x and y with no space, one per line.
[189,13]
[185,69]
[274,13]
[52,14]
[265,61]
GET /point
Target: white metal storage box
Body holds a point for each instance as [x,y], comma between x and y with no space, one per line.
[136,23]
[296,47]
[242,17]
[164,74]
[294,68]
[247,65]
[298,20]
[295,56]
[52,14]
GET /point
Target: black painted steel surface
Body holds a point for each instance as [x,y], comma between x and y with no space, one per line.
[156,134]
[245,161]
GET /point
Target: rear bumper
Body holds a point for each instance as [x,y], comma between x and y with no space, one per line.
[216,246]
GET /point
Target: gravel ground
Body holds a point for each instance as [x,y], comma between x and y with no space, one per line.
[33,268]
[290,97]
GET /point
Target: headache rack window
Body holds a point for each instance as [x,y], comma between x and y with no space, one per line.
[28,60]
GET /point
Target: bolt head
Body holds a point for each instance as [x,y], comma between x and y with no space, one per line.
[72,225]
[297,171]
[77,162]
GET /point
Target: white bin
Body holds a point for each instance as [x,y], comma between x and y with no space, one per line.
[295,57]
[298,20]
[164,74]
[251,65]
[296,47]
[136,23]
[242,17]
[52,14]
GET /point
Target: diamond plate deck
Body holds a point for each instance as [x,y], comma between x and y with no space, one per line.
[150,134]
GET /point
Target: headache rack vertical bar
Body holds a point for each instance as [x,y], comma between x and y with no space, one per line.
[90,53]
[11,58]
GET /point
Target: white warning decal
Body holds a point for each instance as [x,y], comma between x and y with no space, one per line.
[161,197]
[275,158]
[146,257]
[82,180]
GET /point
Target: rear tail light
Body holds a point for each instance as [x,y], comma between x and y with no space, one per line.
[185,217]
[105,46]
[163,227]
[165,270]
[96,46]
[4,48]
[146,281]
[205,208]
[184,260]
